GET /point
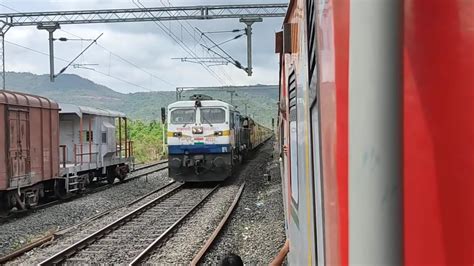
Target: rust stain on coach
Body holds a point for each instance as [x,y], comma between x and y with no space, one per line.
[29,140]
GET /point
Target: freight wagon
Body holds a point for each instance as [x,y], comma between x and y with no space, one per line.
[45,151]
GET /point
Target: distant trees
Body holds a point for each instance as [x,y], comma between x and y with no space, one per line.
[147,140]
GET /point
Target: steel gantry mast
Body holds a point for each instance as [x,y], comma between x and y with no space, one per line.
[50,20]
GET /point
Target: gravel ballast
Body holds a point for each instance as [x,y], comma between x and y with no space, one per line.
[18,232]
[256,230]
[192,235]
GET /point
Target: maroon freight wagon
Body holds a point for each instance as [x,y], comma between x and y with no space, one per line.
[29,148]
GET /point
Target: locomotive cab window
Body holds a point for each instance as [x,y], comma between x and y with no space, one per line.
[212,115]
[180,116]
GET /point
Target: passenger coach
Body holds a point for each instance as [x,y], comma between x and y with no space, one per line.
[377,133]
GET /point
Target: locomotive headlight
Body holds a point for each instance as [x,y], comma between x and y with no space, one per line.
[218,133]
[197,130]
[177,134]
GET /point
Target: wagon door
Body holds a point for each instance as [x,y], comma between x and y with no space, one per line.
[67,138]
[19,148]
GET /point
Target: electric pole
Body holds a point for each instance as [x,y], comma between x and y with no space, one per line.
[248,32]
[50,28]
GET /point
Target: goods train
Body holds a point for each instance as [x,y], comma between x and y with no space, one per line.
[48,149]
[376,131]
[207,138]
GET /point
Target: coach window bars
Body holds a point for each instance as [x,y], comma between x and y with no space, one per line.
[123,147]
[318,192]
[292,99]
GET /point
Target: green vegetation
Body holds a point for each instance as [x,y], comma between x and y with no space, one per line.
[147,140]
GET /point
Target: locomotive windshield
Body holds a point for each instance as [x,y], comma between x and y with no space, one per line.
[180,116]
[212,115]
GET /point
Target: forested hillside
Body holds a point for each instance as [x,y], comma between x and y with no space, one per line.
[68,88]
[143,108]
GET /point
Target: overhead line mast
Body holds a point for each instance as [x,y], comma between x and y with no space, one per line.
[53,19]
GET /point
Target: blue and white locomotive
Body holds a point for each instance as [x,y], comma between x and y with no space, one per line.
[206,139]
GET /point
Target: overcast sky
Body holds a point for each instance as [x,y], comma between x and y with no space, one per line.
[143,44]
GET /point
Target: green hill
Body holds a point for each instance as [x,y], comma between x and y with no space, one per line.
[261,100]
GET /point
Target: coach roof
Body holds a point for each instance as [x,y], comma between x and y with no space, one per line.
[27,100]
[80,110]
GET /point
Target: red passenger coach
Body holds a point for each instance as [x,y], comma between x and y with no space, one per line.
[438,132]
[377,131]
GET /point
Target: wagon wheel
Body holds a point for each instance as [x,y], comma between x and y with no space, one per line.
[91,177]
[60,189]
[110,179]
[122,173]
[112,173]
[5,205]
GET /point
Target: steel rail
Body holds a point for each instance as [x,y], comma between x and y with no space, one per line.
[197,258]
[30,246]
[144,174]
[71,250]
[158,240]
[53,235]
[102,214]
[88,191]
[150,165]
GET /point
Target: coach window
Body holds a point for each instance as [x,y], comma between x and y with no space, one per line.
[212,115]
[104,137]
[183,116]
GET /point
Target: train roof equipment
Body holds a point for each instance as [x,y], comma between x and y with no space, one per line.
[205,103]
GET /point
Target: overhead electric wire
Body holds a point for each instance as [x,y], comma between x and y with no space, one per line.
[224,72]
[176,39]
[229,40]
[36,51]
[102,73]
[224,31]
[219,55]
[125,60]
[232,60]
[81,53]
[12,9]
[64,60]
[133,64]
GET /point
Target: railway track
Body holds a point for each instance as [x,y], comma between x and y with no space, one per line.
[150,165]
[62,232]
[131,238]
[137,173]
[202,252]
